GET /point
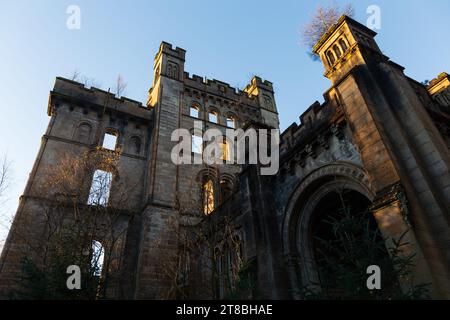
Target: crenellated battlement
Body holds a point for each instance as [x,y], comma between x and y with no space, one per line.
[257,82]
[441,82]
[168,49]
[219,88]
[65,89]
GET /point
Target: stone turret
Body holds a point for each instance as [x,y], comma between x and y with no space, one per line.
[263,90]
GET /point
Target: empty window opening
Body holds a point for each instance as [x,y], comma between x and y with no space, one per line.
[213,117]
[194,112]
[100,188]
[110,141]
[197,144]
[231,122]
[97,258]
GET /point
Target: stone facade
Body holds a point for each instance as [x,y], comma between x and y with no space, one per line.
[379,134]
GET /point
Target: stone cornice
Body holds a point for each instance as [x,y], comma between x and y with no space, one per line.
[336,26]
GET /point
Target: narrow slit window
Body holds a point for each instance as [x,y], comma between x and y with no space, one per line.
[331,57]
[109,141]
[224,146]
[343,45]
[100,188]
[208,197]
[197,144]
[337,51]
[97,258]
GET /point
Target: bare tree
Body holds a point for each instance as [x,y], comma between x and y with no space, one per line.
[75,75]
[88,82]
[209,257]
[83,225]
[121,85]
[5,218]
[323,19]
[4,178]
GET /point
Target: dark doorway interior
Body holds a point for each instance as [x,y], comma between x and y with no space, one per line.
[342,256]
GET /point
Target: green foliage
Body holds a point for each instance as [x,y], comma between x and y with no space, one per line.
[48,280]
[50,284]
[245,285]
[355,245]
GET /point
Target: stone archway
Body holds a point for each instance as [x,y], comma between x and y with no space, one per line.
[297,243]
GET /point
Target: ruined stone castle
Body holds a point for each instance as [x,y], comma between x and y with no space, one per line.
[380,135]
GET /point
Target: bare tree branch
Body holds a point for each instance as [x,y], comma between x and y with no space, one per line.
[121,85]
[323,19]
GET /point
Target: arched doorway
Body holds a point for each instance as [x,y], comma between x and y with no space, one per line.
[345,241]
[315,196]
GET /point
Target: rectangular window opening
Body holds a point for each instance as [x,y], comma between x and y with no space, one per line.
[197,144]
[213,117]
[231,123]
[194,112]
[100,188]
[109,141]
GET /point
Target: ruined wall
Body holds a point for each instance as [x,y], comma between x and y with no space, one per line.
[79,119]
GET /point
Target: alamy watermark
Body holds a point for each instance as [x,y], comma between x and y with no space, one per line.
[374,20]
[236,147]
[73,282]
[73,21]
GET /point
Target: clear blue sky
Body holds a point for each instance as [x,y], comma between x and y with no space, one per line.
[226,40]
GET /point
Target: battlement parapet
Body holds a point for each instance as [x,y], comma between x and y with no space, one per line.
[259,83]
[314,122]
[168,49]
[218,88]
[75,92]
[441,82]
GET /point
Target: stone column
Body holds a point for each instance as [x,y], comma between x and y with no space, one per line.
[390,210]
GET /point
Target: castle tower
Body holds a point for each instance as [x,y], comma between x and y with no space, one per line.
[159,216]
[399,144]
[263,90]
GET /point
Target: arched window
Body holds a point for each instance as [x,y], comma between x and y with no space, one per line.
[83,133]
[343,45]
[268,102]
[208,197]
[97,258]
[213,117]
[194,112]
[135,145]
[226,189]
[231,122]
[225,150]
[175,71]
[172,70]
[337,51]
[331,58]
